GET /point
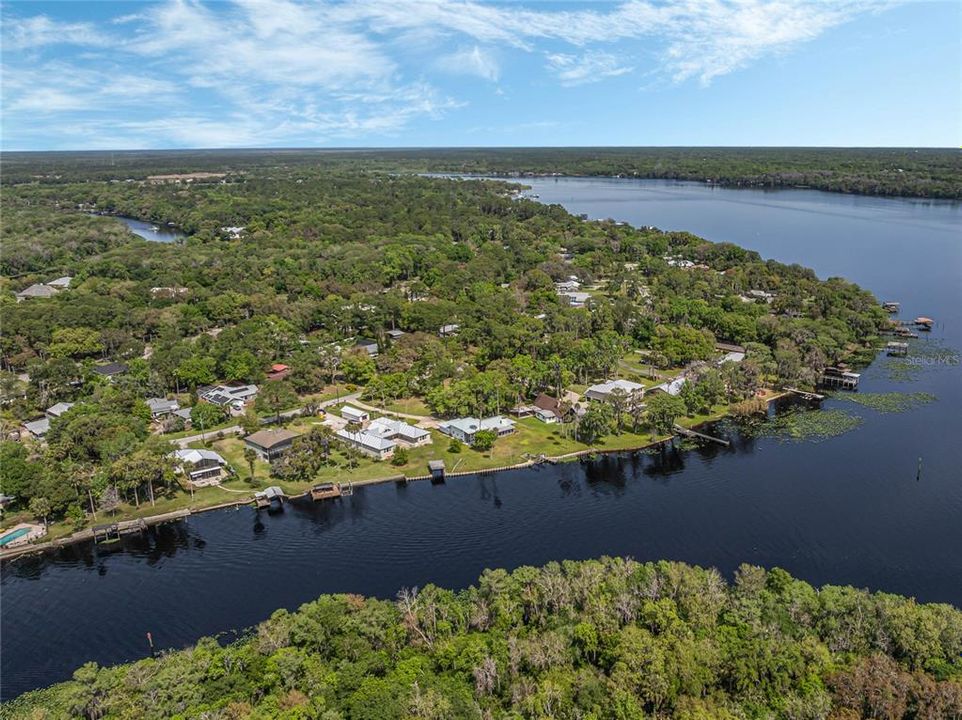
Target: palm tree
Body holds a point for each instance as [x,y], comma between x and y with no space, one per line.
[251,457]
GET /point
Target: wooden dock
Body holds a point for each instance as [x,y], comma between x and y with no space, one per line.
[805,394]
[686,432]
[897,349]
[271,497]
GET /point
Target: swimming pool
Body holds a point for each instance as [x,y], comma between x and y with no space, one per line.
[11,536]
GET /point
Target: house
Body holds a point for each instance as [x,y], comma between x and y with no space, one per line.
[731,352]
[55,411]
[38,290]
[449,330]
[38,428]
[567,286]
[761,295]
[202,467]
[548,409]
[464,429]
[270,444]
[394,334]
[168,293]
[671,387]
[602,391]
[400,432]
[353,415]
[233,397]
[575,299]
[367,345]
[367,443]
[278,371]
[61,283]
[162,406]
[110,370]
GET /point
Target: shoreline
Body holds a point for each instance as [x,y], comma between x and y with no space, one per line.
[519,179]
[141,524]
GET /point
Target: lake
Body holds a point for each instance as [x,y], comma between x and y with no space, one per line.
[151,231]
[845,510]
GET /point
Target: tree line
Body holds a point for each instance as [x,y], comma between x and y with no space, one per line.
[606,639]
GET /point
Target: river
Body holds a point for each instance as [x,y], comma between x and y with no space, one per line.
[151,231]
[845,510]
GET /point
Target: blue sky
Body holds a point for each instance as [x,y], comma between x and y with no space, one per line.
[252,73]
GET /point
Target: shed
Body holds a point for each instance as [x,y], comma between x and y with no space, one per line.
[353,415]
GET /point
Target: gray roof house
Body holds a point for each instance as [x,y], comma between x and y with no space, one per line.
[368,443]
[399,431]
[38,290]
[271,444]
[162,406]
[61,282]
[110,369]
[38,428]
[464,429]
[602,391]
[55,411]
[367,345]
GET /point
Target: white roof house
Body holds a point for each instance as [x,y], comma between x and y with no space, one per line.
[55,411]
[232,396]
[732,357]
[198,455]
[392,429]
[576,299]
[206,466]
[61,282]
[602,391]
[447,330]
[368,443]
[672,387]
[352,414]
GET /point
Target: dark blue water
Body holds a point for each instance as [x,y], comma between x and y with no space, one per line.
[844,510]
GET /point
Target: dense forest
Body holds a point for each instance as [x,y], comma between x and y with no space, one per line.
[291,262]
[608,639]
[906,172]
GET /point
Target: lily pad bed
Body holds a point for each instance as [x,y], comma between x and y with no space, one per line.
[802,424]
[893,402]
[923,353]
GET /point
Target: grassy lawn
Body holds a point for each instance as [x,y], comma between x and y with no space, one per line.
[411,406]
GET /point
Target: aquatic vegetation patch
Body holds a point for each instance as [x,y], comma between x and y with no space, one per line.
[923,353]
[803,424]
[892,402]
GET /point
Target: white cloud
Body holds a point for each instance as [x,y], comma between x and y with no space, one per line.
[588,67]
[470,61]
[266,71]
[39,31]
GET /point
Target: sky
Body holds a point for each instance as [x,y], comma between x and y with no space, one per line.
[279,73]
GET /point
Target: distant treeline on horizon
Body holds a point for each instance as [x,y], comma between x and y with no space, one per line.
[905,172]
